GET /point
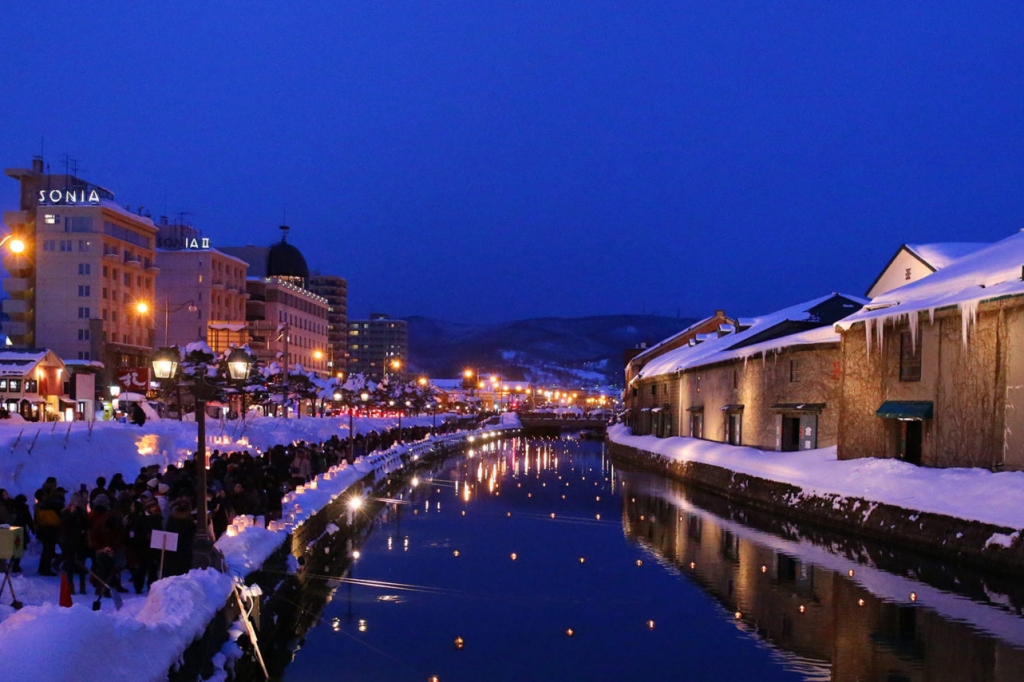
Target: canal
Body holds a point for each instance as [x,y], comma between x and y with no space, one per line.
[534,559]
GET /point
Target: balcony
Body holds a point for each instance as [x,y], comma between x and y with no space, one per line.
[133,263]
[16,286]
[17,306]
[113,256]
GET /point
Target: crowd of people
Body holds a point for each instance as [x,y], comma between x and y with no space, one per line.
[97,533]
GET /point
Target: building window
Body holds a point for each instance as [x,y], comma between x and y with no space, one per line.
[104,292]
[84,268]
[83,334]
[50,219]
[735,379]
[697,424]
[31,386]
[654,389]
[735,428]
[83,313]
[106,272]
[794,370]
[14,386]
[50,245]
[84,245]
[113,316]
[65,245]
[84,290]
[910,358]
[83,355]
[127,279]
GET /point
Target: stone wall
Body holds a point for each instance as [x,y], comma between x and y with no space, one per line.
[936,534]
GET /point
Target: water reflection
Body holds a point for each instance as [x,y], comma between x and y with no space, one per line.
[824,603]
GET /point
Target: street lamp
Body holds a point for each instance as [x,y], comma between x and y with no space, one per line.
[165,365]
[239,364]
[16,246]
[143,308]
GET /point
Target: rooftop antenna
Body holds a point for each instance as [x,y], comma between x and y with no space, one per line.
[284,232]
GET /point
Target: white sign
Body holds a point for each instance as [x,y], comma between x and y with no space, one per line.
[163,540]
[69,196]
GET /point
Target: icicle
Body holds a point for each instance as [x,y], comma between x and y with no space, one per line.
[745,358]
[912,320]
[867,331]
[880,333]
[931,316]
[968,316]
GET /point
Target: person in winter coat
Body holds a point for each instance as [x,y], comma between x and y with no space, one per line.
[21,516]
[143,561]
[74,545]
[47,521]
[106,540]
[181,522]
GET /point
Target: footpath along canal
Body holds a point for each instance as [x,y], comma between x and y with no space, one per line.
[539,559]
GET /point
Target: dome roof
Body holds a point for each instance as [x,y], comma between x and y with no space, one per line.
[284,260]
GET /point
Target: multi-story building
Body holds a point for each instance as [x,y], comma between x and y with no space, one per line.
[87,263]
[285,321]
[378,347]
[201,291]
[335,290]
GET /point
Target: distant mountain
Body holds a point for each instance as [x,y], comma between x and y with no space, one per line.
[583,351]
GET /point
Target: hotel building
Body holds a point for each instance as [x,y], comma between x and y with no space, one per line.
[378,346]
[286,322]
[335,290]
[201,292]
[87,262]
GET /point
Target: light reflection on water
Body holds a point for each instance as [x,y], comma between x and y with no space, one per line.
[507,552]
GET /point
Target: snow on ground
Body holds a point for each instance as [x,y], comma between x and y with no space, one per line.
[136,643]
[973,494]
[151,631]
[75,454]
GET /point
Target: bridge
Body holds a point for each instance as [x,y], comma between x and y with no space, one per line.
[549,422]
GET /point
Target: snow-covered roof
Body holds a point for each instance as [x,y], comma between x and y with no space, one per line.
[672,338]
[747,343]
[990,272]
[940,255]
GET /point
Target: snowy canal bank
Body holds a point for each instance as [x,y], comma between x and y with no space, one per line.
[149,636]
[966,514]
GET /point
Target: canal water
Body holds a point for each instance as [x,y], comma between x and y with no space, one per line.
[534,559]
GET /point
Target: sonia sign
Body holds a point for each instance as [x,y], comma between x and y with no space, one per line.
[68,196]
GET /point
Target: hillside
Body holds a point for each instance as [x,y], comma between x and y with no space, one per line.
[584,351]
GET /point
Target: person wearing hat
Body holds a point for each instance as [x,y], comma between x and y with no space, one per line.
[160,493]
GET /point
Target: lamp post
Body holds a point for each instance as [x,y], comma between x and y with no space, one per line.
[165,366]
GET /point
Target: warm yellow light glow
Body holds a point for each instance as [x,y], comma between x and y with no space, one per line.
[355,503]
[16,246]
[422,381]
[459,643]
[142,307]
[468,373]
[570,632]
[650,625]
[514,556]
[737,615]
[318,354]
[395,364]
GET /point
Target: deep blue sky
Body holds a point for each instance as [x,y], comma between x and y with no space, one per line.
[487,160]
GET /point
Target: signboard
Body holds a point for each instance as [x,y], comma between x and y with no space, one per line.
[69,196]
[133,379]
[161,539]
[182,243]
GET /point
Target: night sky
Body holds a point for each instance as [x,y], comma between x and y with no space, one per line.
[485,161]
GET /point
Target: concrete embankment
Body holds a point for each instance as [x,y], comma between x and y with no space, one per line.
[985,545]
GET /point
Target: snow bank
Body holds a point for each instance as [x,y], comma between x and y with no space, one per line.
[972,494]
[77,643]
[30,452]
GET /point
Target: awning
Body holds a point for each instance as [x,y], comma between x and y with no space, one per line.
[695,408]
[799,407]
[732,408]
[905,409]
